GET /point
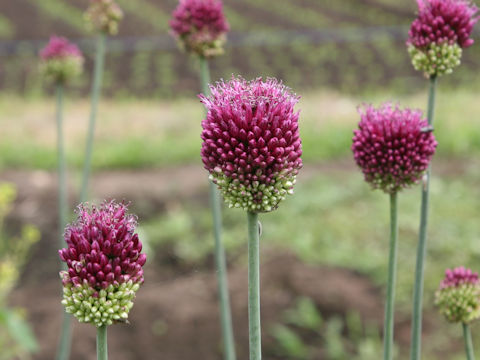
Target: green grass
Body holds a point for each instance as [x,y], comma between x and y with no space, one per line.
[146,133]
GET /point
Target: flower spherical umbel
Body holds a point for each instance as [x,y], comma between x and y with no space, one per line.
[200,26]
[251,144]
[104,262]
[104,16]
[458,297]
[61,60]
[392,146]
[439,33]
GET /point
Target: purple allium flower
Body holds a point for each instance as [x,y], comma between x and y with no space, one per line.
[104,262]
[392,146]
[458,296]
[251,144]
[200,26]
[104,16]
[439,33]
[61,60]
[59,47]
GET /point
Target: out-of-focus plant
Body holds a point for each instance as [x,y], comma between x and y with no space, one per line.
[16,337]
[200,28]
[458,299]
[393,147]
[437,37]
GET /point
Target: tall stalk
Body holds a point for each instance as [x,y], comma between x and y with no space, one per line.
[416,342]
[467,336]
[220,260]
[63,351]
[102,348]
[62,181]
[96,87]
[254,329]
[392,276]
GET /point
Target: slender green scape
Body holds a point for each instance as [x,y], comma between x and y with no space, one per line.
[392,276]
[416,341]
[254,329]
[220,259]
[102,348]
[96,87]
[63,350]
[467,336]
[65,340]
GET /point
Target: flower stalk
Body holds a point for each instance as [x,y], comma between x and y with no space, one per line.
[415,351]
[96,87]
[220,258]
[392,276]
[254,329]
[102,348]
[467,336]
[62,183]
[65,337]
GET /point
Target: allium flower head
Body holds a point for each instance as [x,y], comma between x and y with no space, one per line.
[104,16]
[392,146]
[439,33]
[458,296]
[104,262]
[61,60]
[251,143]
[200,26]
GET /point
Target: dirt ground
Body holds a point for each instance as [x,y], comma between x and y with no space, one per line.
[175,316]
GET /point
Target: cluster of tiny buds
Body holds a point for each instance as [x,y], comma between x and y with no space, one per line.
[458,296]
[103,253]
[392,147]
[251,143]
[61,60]
[439,33]
[200,26]
[103,16]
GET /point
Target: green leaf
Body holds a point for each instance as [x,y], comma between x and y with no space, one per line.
[18,329]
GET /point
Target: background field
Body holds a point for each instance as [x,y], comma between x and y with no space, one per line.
[349,45]
[324,250]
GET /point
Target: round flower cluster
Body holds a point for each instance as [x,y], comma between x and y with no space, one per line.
[439,33]
[104,262]
[251,143]
[392,146]
[200,26]
[458,296]
[61,60]
[104,16]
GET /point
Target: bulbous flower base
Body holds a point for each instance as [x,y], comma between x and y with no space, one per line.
[61,70]
[460,304]
[102,307]
[436,60]
[255,197]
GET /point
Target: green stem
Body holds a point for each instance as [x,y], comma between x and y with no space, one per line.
[467,336]
[62,183]
[220,259]
[416,342]
[63,351]
[254,329]
[102,347]
[204,75]
[96,87]
[392,276]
